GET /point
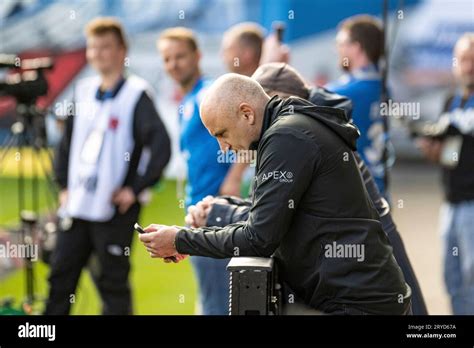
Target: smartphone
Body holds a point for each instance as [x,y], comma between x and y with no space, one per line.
[279,28]
[140,230]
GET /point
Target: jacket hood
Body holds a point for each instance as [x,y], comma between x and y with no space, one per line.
[333,118]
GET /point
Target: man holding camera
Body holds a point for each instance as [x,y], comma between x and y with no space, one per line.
[452,146]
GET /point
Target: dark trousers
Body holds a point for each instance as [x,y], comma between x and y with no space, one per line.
[111,242]
[400,254]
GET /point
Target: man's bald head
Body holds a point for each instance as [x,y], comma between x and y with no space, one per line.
[228,91]
[463,68]
[466,41]
[232,110]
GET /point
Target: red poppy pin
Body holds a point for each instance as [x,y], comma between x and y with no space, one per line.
[113,123]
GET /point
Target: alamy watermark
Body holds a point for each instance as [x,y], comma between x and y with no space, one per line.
[68,108]
[242,156]
[28,330]
[24,251]
[400,109]
[351,251]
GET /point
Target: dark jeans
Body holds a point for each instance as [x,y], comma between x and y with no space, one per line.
[110,241]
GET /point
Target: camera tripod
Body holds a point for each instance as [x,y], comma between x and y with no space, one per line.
[28,134]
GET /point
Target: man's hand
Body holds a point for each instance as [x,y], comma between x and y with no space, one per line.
[124,198]
[159,242]
[230,186]
[63,194]
[274,51]
[197,214]
[430,148]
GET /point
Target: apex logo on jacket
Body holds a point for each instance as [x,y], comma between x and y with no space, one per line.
[280,176]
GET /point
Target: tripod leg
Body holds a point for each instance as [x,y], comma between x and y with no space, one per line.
[51,190]
[7,146]
[29,270]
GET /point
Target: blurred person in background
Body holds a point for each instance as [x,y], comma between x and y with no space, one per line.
[206,176]
[241,51]
[244,47]
[360,43]
[241,48]
[114,147]
[451,144]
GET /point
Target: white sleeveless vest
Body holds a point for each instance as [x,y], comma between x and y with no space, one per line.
[101,146]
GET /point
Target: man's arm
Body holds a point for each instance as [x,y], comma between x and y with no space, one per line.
[217,211]
[225,214]
[431,148]
[61,158]
[379,202]
[151,133]
[277,195]
[231,184]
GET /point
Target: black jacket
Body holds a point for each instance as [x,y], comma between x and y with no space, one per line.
[308,199]
[238,209]
[321,96]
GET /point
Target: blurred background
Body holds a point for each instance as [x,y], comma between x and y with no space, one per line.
[421,33]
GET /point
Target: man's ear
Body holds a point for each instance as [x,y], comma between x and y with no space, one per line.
[247,113]
[246,55]
[198,55]
[359,48]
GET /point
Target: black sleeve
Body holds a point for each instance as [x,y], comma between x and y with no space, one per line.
[273,205]
[225,214]
[379,202]
[61,158]
[237,200]
[236,210]
[323,97]
[150,132]
[447,103]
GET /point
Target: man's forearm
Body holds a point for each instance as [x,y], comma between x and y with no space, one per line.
[237,171]
[225,214]
[237,200]
[61,159]
[215,242]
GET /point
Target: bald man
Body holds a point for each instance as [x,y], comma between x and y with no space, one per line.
[283,80]
[310,210]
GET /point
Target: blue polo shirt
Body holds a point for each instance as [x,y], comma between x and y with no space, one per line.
[200,149]
[363,87]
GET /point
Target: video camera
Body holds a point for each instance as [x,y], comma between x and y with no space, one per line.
[28,84]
